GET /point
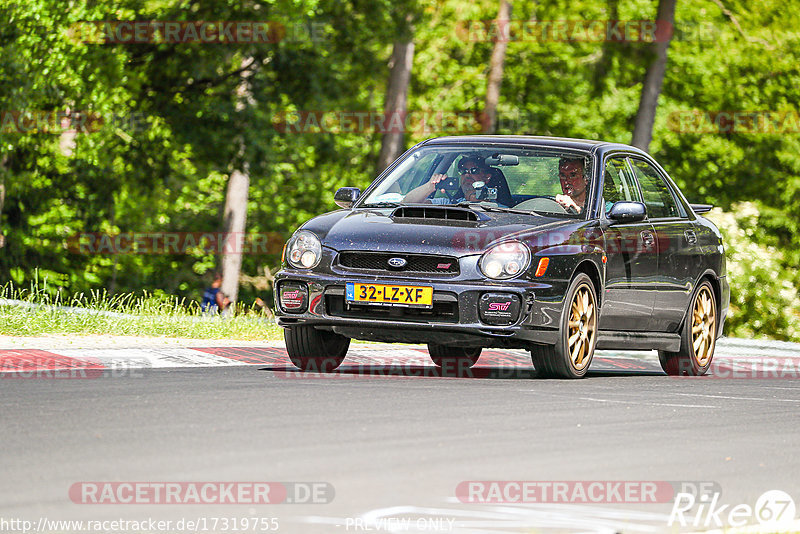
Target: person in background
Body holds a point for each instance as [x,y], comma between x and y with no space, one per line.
[214,300]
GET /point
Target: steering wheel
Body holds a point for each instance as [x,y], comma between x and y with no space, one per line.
[452,198]
[542,203]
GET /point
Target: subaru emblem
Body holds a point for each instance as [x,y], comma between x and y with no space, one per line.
[397,262]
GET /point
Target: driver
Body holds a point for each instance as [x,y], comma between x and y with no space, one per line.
[574,184]
[471,170]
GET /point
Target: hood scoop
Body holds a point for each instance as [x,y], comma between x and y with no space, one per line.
[438,213]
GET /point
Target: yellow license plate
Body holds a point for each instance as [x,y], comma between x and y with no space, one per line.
[389,294]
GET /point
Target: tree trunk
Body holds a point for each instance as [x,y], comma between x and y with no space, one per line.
[234,224]
[234,218]
[2,197]
[396,101]
[2,201]
[489,117]
[646,116]
[608,50]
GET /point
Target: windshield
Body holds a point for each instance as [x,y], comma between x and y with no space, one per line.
[538,180]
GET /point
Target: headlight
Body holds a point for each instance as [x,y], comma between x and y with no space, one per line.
[303,250]
[505,260]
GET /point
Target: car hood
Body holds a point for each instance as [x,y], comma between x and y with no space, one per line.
[376,230]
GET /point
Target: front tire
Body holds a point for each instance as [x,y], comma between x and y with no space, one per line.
[698,337]
[315,350]
[454,357]
[572,354]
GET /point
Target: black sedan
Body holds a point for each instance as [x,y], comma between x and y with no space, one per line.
[556,246]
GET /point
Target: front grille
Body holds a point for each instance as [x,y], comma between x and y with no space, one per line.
[444,310]
[416,263]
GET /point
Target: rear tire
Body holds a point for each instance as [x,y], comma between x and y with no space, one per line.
[454,357]
[572,354]
[698,336]
[315,350]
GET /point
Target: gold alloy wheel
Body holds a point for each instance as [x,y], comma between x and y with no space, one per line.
[704,326]
[582,328]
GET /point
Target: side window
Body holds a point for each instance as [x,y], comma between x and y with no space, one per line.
[617,183]
[657,196]
[417,170]
[418,175]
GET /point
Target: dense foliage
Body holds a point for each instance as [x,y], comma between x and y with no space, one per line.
[175,123]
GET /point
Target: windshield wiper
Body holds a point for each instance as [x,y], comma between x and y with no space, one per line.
[381,205]
[487,206]
[393,204]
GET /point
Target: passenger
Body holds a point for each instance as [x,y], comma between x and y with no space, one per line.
[574,184]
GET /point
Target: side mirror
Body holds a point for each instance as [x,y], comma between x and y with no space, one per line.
[626,212]
[701,208]
[346,196]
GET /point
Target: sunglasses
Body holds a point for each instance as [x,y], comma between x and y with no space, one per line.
[471,170]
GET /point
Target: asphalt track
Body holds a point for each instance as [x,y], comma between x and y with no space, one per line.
[394,439]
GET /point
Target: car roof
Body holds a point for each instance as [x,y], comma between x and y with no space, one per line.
[588,145]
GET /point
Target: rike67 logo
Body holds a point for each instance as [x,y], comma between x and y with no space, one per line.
[773,508]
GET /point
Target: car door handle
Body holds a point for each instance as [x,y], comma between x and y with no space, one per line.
[647,239]
[691,237]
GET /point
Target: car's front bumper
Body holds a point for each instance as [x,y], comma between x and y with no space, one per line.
[454,318]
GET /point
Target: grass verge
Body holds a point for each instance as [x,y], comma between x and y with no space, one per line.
[40,311]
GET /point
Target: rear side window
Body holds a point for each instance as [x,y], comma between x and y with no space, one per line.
[617,184]
[655,192]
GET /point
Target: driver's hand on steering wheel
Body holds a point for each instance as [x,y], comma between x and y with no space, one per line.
[568,204]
